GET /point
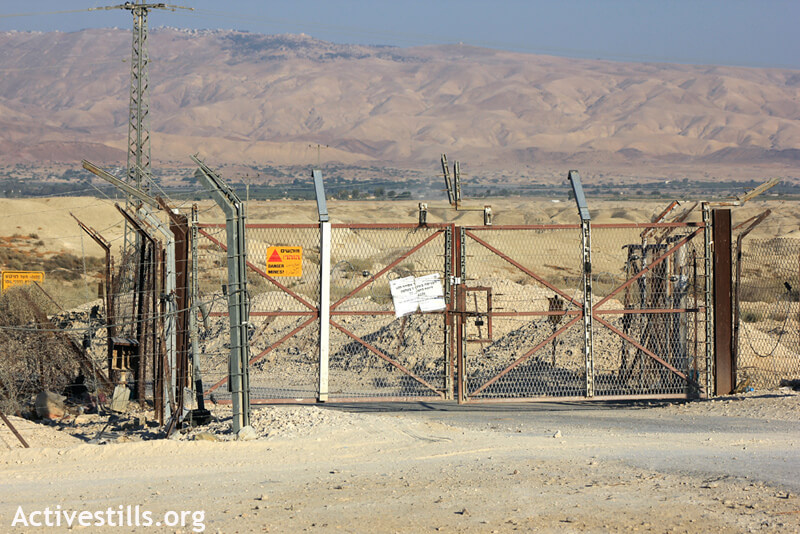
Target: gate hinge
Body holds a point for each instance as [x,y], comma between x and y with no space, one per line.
[455,280]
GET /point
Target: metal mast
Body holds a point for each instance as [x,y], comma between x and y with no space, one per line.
[139,171]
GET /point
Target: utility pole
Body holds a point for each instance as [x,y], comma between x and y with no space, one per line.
[139,172]
[319,148]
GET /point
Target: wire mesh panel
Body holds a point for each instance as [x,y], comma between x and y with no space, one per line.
[284,325]
[767,332]
[522,306]
[373,353]
[648,288]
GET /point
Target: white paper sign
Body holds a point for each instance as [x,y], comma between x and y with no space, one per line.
[404,295]
[430,293]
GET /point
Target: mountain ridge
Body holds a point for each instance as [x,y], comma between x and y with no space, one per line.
[240,97]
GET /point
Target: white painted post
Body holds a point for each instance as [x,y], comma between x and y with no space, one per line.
[324,307]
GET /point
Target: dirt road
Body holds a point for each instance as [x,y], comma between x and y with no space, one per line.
[731,465]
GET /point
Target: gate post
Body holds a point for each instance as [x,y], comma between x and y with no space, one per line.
[459,236]
[586,239]
[238,305]
[324,307]
[724,366]
[324,285]
[708,301]
[448,318]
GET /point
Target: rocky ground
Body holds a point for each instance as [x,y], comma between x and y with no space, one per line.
[724,465]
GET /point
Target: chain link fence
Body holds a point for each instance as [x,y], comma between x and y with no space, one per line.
[522,296]
[767,304]
[649,324]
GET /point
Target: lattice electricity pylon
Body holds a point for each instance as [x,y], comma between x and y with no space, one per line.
[139,171]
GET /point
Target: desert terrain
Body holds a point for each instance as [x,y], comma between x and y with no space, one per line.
[50,217]
[251,99]
[726,465]
[260,104]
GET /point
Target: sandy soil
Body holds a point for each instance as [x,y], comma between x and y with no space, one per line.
[49,217]
[728,465]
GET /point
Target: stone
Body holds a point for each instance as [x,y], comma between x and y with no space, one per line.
[247,433]
[205,436]
[120,398]
[557,434]
[50,405]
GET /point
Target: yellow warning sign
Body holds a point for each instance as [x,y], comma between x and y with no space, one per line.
[21,278]
[285,261]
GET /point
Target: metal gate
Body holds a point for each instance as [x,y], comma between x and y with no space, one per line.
[373,354]
[519,312]
[649,318]
[284,314]
[513,327]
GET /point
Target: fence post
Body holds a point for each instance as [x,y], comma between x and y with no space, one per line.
[324,284]
[708,301]
[586,239]
[238,308]
[171,308]
[725,371]
[324,308]
[193,309]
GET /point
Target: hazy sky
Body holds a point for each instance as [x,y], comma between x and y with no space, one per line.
[759,33]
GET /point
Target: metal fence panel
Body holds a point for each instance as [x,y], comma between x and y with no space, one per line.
[284,326]
[768,333]
[373,353]
[648,324]
[523,305]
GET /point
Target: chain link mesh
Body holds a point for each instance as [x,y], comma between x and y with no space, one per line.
[283,330]
[519,302]
[373,353]
[533,278]
[768,309]
[648,287]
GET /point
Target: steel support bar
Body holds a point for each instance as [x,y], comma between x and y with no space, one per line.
[708,297]
[194,300]
[179,225]
[324,306]
[110,320]
[238,306]
[754,221]
[588,343]
[169,297]
[586,270]
[160,389]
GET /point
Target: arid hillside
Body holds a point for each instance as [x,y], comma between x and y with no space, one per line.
[240,97]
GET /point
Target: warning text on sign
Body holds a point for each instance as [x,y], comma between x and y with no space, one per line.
[285,261]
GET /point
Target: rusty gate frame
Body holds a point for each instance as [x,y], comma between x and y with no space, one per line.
[312,314]
[464,395]
[440,229]
[597,310]
[454,342]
